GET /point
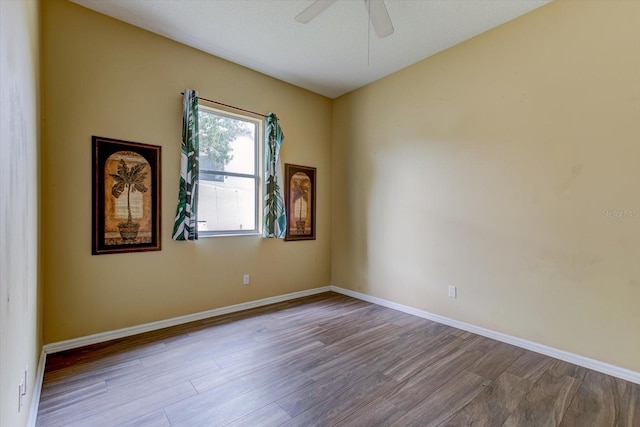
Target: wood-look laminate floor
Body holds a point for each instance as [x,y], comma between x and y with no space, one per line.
[325,360]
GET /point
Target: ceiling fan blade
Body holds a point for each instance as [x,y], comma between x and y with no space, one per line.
[314,10]
[379,17]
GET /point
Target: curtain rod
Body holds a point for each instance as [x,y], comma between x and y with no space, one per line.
[229,106]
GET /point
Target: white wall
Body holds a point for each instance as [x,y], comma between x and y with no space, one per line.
[20,340]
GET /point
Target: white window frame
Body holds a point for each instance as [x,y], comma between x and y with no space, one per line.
[258,170]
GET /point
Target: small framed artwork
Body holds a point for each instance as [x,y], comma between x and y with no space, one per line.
[300,200]
[126,196]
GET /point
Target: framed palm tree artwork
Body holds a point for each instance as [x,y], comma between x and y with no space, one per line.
[300,200]
[126,196]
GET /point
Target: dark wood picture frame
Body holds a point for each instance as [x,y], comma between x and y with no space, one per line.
[126,196]
[300,202]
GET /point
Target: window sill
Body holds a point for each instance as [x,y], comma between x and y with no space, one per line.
[229,234]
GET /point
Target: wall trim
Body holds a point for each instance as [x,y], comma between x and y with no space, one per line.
[37,389]
[147,327]
[585,362]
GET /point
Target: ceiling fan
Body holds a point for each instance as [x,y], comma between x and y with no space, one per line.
[377,14]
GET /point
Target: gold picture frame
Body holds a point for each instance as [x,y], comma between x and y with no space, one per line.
[126,196]
[300,202]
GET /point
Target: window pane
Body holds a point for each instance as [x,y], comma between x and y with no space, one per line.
[226,143]
[243,151]
[226,203]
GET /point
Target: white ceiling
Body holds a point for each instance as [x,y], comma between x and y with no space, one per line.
[332,54]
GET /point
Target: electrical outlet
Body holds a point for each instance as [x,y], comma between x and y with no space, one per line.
[245,279]
[452,292]
[22,388]
[26,379]
[21,393]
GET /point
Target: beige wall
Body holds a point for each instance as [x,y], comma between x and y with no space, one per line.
[20,334]
[103,77]
[508,166]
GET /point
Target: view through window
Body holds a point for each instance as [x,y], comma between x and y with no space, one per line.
[228,199]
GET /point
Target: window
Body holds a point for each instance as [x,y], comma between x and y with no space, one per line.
[228,198]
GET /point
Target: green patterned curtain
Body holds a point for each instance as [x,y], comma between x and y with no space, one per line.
[186,222]
[275,220]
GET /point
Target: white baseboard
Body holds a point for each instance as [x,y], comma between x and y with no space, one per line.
[147,327]
[37,389]
[586,362]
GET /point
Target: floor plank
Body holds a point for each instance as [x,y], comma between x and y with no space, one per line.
[598,401]
[129,411]
[547,402]
[184,414]
[154,419]
[339,405]
[494,404]
[495,361]
[270,415]
[444,403]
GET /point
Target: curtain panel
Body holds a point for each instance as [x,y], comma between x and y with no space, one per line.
[275,220]
[186,221]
